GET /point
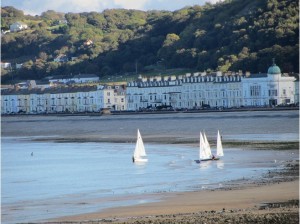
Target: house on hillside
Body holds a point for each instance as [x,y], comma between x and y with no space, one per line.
[88,42]
[18,26]
[19,66]
[60,79]
[83,78]
[5,65]
[61,58]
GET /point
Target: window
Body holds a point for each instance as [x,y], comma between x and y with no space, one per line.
[273,92]
[255,90]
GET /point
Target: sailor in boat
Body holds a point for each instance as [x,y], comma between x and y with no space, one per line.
[213,157]
[133,159]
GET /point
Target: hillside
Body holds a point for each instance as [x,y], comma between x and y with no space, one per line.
[232,35]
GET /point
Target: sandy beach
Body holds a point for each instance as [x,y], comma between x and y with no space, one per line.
[274,199]
[217,204]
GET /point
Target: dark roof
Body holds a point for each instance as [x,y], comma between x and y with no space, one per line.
[85,76]
[260,75]
[61,77]
[48,90]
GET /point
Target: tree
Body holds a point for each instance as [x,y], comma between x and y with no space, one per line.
[43,56]
[171,39]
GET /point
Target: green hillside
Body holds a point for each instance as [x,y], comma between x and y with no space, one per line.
[232,35]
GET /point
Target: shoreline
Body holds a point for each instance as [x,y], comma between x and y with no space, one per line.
[248,144]
[191,111]
[249,199]
[235,198]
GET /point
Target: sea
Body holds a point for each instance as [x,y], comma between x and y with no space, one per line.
[42,180]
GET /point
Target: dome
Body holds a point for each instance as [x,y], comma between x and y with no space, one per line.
[274,69]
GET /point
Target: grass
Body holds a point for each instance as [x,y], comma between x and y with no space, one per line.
[264,145]
[126,77]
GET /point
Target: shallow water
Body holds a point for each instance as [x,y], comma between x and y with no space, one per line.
[70,178]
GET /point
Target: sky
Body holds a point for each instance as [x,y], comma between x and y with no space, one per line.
[36,7]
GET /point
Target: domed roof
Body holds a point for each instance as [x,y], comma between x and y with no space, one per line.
[274,69]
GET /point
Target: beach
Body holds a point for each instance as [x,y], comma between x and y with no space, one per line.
[273,198]
[209,206]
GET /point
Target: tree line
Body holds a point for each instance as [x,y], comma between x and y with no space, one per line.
[228,36]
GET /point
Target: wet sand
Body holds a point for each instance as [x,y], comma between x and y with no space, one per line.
[239,129]
[272,199]
[189,205]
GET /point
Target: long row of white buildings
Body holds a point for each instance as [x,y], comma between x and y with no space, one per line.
[63,99]
[188,91]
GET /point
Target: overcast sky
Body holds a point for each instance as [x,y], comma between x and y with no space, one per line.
[36,7]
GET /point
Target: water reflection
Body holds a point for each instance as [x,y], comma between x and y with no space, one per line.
[220,164]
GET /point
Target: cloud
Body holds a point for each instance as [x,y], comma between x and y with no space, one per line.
[132,4]
[36,7]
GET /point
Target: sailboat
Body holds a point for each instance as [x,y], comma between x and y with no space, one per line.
[207,146]
[204,149]
[220,152]
[205,153]
[139,152]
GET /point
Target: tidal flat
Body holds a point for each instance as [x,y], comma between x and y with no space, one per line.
[81,157]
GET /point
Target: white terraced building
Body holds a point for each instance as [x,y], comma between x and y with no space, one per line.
[214,90]
[64,99]
[190,91]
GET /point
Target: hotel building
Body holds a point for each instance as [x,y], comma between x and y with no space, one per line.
[198,90]
[189,91]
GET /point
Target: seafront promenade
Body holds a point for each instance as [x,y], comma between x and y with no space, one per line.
[169,111]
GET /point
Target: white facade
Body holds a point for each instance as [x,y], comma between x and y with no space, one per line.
[61,100]
[200,90]
[189,92]
[297,91]
[83,78]
[17,26]
[5,65]
[114,98]
[255,91]
[269,90]
[9,104]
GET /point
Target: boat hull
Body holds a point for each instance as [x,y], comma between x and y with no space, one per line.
[203,160]
[141,160]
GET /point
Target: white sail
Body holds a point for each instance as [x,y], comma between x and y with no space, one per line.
[219,145]
[204,154]
[139,151]
[207,147]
